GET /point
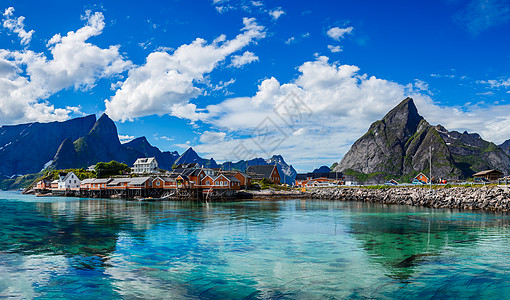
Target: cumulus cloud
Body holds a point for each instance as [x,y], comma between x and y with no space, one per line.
[334,49]
[276,13]
[240,60]
[166,82]
[29,78]
[16,25]
[212,137]
[338,33]
[496,83]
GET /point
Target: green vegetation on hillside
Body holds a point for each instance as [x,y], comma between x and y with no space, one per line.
[112,168]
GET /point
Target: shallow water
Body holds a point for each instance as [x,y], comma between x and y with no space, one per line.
[292,249]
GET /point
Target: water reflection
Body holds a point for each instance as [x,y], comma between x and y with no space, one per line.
[260,249]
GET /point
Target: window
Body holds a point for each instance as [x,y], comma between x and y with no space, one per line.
[157,183]
[207,182]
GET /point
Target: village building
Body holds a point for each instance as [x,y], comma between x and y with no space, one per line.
[43,185]
[244,178]
[269,172]
[68,181]
[146,165]
[489,174]
[319,179]
[420,179]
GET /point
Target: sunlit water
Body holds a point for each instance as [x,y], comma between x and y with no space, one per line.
[291,249]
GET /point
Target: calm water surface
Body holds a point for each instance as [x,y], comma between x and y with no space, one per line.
[293,249]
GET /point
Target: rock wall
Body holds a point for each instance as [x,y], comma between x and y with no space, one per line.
[486,198]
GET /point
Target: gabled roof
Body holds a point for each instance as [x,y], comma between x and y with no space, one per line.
[231,178]
[87,181]
[117,181]
[481,173]
[138,180]
[145,160]
[166,179]
[265,171]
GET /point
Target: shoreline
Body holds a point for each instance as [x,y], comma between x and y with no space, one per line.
[490,198]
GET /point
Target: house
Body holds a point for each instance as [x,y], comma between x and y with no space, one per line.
[67,181]
[489,174]
[44,184]
[420,179]
[140,183]
[270,172]
[145,165]
[244,179]
[391,182]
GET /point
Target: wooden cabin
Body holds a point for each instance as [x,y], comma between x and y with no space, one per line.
[489,174]
[421,178]
[269,172]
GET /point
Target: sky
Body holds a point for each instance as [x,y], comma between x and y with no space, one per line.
[243,79]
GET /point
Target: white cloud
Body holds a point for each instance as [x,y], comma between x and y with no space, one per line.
[338,33]
[212,137]
[166,82]
[240,60]
[29,78]
[126,138]
[499,83]
[16,25]
[334,49]
[290,40]
[276,13]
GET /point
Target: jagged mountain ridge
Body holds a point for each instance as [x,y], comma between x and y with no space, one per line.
[400,144]
[102,144]
[28,148]
[190,156]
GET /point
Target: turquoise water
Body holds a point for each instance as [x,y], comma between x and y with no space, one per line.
[292,249]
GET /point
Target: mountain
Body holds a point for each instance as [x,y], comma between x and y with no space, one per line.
[287,172]
[400,145]
[322,169]
[29,148]
[506,147]
[190,156]
[165,159]
[101,144]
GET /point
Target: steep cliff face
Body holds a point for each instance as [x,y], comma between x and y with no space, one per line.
[27,148]
[401,144]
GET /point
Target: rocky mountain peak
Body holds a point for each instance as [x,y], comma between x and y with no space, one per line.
[404,118]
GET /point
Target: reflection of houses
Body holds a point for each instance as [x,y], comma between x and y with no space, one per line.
[489,174]
[145,165]
[420,179]
[269,172]
[320,179]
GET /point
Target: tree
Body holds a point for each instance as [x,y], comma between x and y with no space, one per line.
[111,168]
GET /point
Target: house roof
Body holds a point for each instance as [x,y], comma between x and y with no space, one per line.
[145,160]
[117,181]
[87,181]
[265,171]
[481,173]
[138,180]
[231,178]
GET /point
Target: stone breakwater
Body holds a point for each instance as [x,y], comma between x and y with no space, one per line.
[486,198]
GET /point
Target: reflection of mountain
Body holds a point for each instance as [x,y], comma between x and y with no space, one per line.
[402,238]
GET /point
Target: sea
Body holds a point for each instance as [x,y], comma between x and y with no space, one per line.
[71,248]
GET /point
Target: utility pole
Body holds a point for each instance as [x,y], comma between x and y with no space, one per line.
[430,164]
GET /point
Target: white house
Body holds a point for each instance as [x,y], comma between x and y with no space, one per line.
[145,165]
[68,181]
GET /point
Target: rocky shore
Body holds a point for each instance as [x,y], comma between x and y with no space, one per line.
[486,198]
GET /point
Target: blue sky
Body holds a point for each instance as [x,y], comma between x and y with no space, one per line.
[239,79]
